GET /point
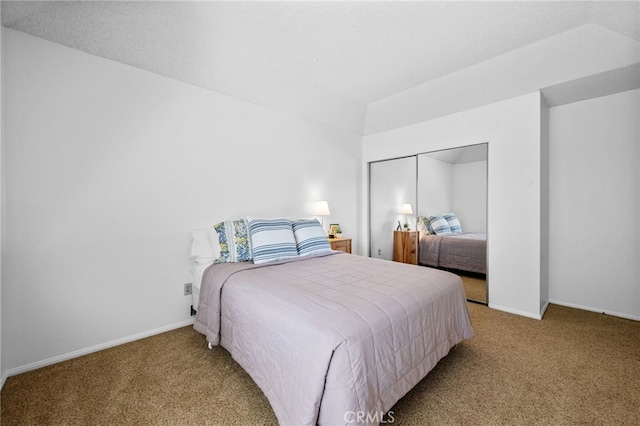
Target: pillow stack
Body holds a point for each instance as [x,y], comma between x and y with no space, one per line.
[444,224]
[262,240]
[440,225]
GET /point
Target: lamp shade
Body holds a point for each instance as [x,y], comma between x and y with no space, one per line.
[322,209]
[406,209]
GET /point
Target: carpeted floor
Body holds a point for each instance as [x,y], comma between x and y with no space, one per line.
[573,367]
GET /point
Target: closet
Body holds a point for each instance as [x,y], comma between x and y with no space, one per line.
[432,183]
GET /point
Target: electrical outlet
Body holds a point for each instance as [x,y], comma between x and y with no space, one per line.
[379,252]
[187,289]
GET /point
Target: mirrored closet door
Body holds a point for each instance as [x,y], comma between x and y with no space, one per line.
[453,183]
[392,184]
[404,192]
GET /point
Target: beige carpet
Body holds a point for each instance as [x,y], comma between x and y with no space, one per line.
[573,367]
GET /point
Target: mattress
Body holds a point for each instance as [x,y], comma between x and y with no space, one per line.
[466,251]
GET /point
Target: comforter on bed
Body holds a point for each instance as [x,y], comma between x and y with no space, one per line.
[333,338]
[465,252]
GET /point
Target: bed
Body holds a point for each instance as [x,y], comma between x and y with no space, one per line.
[465,251]
[332,338]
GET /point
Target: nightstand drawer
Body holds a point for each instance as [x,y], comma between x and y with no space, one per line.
[340,244]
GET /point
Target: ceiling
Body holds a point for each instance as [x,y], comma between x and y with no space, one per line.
[358,66]
[465,154]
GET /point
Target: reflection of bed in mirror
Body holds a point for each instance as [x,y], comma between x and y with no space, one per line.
[452,210]
[466,251]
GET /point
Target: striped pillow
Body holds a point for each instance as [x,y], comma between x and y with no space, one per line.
[440,225]
[271,239]
[234,241]
[310,237]
[454,223]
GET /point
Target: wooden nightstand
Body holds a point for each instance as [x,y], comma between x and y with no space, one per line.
[340,244]
[405,246]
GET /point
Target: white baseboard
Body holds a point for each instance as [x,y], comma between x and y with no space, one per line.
[544,309]
[515,311]
[96,348]
[592,309]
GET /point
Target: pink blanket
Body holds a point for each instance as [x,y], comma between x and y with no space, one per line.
[335,338]
[464,252]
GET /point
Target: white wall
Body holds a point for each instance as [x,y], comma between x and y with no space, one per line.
[594,231]
[512,130]
[470,195]
[544,204]
[108,167]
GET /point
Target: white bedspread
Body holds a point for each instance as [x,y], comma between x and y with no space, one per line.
[333,337]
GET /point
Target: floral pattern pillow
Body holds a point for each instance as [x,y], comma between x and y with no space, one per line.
[235,245]
[423,225]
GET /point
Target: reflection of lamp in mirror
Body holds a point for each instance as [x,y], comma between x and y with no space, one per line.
[407,211]
[322,209]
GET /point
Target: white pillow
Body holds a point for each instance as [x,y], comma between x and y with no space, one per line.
[271,239]
[439,225]
[205,247]
[454,222]
[310,237]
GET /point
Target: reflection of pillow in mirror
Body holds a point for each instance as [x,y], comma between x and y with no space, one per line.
[440,225]
[423,225]
[454,223]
